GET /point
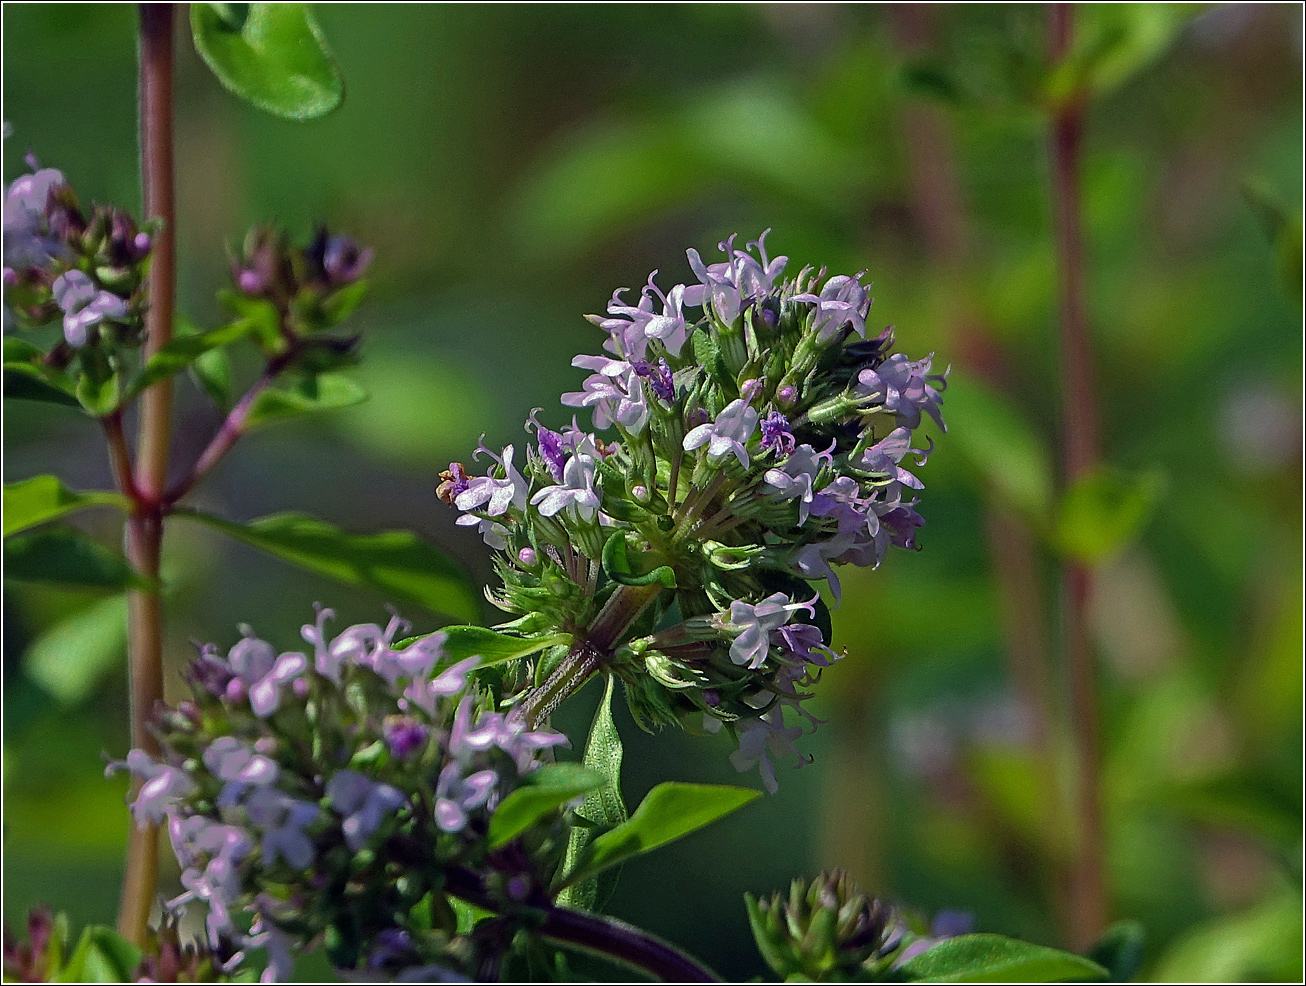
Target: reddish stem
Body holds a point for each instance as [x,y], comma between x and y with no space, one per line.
[145,527]
[1081,451]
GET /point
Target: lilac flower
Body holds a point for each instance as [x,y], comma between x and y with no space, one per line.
[795,477]
[730,285]
[453,481]
[804,642]
[255,662]
[727,435]
[613,392]
[456,795]
[659,378]
[424,692]
[278,944]
[84,305]
[776,436]
[841,501]
[218,882]
[576,488]
[905,388]
[756,736]
[901,522]
[812,561]
[509,733]
[238,767]
[494,495]
[843,300]
[281,820]
[164,786]
[491,531]
[630,328]
[344,261]
[755,624]
[363,803]
[25,219]
[884,456]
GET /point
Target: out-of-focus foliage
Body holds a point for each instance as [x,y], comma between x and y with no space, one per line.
[510,164]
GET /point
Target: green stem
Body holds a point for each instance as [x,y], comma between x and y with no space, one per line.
[145,526]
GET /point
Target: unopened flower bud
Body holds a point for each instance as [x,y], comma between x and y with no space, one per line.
[749,389]
[527,557]
[823,931]
[640,493]
[142,244]
[236,690]
[786,396]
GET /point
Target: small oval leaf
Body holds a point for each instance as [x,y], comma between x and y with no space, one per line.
[995,959]
[274,57]
[550,786]
[29,502]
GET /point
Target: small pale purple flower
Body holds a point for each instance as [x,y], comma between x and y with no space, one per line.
[904,388]
[757,736]
[493,495]
[843,300]
[238,767]
[256,664]
[884,456]
[730,285]
[754,624]
[613,393]
[456,795]
[164,786]
[363,803]
[84,305]
[25,227]
[576,488]
[281,820]
[727,435]
[795,478]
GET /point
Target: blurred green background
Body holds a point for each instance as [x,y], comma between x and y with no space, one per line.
[513,164]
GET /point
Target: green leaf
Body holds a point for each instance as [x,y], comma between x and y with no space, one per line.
[275,57]
[603,806]
[27,378]
[182,351]
[261,313]
[617,565]
[99,395]
[1114,41]
[101,956]
[1001,446]
[341,303]
[491,646]
[29,502]
[324,392]
[1119,950]
[1103,511]
[67,558]
[398,563]
[670,811]
[75,654]
[212,371]
[995,959]
[544,790]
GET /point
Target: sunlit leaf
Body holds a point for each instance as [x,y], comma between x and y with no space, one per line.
[29,502]
[1103,511]
[324,392]
[1260,945]
[603,806]
[70,659]
[667,813]
[274,57]
[543,792]
[490,646]
[994,959]
[398,563]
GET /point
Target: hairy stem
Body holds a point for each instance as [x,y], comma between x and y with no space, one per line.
[595,933]
[590,651]
[145,527]
[1080,445]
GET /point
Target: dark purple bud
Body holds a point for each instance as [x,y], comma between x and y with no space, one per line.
[11,277]
[697,417]
[210,672]
[142,243]
[518,887]
[776,435]
[404,735]
[712,697]
[768,311]
[344,261]
[658,376]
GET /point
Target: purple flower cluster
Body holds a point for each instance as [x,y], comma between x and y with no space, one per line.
[287,766]
[764,444]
